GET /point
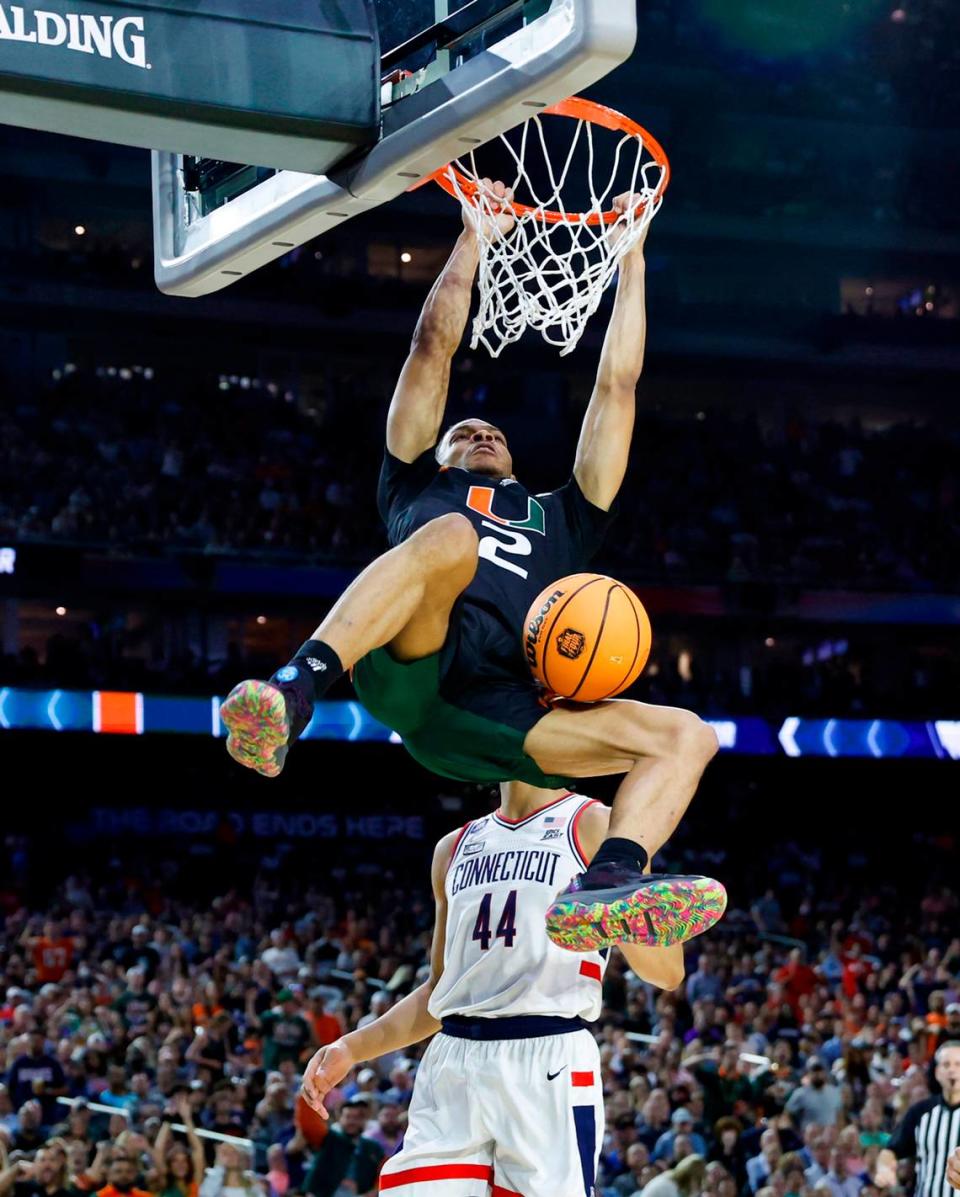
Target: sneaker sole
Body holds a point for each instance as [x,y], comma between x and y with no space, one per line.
[657,915]
[255,715]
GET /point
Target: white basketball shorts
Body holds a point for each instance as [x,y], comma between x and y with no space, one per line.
[517,1117]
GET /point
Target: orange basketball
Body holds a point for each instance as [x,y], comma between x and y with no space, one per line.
[587,637]
[311,1125]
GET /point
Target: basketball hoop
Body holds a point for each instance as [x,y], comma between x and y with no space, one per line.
[550,271]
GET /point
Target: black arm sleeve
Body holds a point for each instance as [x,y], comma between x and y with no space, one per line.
[903,1141]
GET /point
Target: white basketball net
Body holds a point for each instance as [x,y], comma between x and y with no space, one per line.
[550,275]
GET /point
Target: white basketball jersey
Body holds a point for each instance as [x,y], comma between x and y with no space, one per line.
[502,878]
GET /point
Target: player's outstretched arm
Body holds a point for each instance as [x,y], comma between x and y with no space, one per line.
[604,447]
[408,1022]
[420,399]
[662,967]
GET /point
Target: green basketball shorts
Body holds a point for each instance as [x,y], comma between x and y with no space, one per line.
[478,737]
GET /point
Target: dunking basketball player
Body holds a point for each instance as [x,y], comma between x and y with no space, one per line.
[433,628]
[509,1093]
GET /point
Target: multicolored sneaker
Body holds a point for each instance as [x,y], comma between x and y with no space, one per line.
[263,719]
[624,905]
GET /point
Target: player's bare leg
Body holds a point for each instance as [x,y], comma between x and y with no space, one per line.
[663,752]
[403,600]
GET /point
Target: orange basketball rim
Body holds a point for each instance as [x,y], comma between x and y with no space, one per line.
[450,179]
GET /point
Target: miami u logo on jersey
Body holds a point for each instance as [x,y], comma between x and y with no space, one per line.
[511,540]
[480,500]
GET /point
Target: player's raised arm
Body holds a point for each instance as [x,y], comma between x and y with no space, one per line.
[420,398]
[409,1021]
[607,430]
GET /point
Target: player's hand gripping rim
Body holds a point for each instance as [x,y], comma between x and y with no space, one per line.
[325,1071]
[623,205]
[488,214]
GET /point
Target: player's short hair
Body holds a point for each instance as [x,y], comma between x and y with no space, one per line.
[442,442]
[944,1047]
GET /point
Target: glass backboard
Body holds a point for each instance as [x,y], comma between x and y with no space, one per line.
[455,75]
[403,21]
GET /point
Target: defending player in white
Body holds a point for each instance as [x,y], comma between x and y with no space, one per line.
[508,1098]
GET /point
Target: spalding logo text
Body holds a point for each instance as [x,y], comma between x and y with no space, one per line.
[104,36]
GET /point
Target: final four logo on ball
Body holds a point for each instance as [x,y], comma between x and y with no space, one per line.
[570,644]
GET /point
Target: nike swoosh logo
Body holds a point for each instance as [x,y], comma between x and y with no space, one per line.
[552,1075]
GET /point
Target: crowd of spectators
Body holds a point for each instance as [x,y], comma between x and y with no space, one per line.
[125,462]
[805,1027]
[137,465]
[706,669]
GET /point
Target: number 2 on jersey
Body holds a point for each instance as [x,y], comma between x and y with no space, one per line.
[516,544]
[506,928]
